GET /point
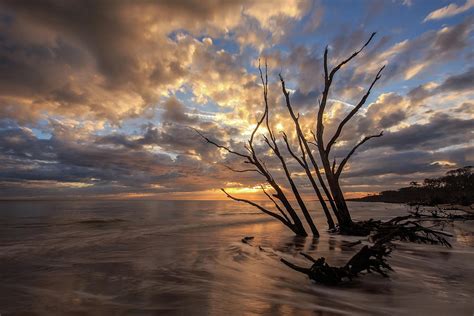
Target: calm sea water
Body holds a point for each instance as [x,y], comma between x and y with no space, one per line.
[186,258]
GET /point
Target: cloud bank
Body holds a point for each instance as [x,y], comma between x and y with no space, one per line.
[99,98]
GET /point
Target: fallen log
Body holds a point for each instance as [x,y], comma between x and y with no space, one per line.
[368,258]
[371,258]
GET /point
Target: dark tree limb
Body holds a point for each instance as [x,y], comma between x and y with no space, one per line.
[304,147]
[261,208]
[343,215]
[272,143]
[442,214]
[304,164]
[276,204]
[241,170]
[293,186]
[353,112]
[308,257]
[344,161]
[369,258]
[301,160]
[410,231]
[328,78]
[372,258]
[345,61]
[315,141]
[220,146]
[295,267]
[280,195]
[252,158]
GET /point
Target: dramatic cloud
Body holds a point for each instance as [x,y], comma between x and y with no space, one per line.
[101,98]
[442,131]
[449,11]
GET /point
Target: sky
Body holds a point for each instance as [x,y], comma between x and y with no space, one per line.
[98,99]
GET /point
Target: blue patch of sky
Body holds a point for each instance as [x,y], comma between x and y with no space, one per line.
[7,123]
[225,43]
[387,18]
[42,130]
[186,96]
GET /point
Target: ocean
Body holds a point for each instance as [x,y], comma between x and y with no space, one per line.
[139,257]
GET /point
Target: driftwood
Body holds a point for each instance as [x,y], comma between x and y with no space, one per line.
[372,258]
[443,214]
[369,258]
[308,159]
[246,239]
[404,228]
[411,231]
[286,212]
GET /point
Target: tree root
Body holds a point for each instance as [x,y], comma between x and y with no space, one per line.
[247,239]
[404,228]
[443,214]
[372,258]
[369,258]
[362,228]
[410,231]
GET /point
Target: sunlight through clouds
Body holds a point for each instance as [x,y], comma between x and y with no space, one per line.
[103,100]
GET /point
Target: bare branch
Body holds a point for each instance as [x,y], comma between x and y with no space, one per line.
[305,147]
[276,204]
[343,162]
[327,84]
[265,113]
[260,165]
[220,146]
[335,69]
[300,161]
[242,170]
[264,210]
[303,152]
[315,140]
[308,257]
[353,112]
[326,73]
[295,267]
[247,148]
[294,189]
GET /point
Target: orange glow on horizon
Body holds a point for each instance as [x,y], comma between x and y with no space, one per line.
[251,193]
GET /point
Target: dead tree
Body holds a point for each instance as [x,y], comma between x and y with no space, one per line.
[332,174]
[286,213]
[304,148]
[374,257]
[332,190]
[369,258]
[305,158]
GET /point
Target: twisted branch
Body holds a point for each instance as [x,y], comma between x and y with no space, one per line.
[344,161]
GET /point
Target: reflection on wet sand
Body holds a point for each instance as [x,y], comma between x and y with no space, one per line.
[149,257]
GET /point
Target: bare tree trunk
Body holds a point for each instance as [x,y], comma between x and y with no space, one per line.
[332,190]
[251,158]
[274,146]
[332,176]
[343,215]
[304,147]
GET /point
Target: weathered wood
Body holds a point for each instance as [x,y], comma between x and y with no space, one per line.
[369,258]
[332,176]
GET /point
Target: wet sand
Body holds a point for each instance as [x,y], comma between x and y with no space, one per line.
[186,258]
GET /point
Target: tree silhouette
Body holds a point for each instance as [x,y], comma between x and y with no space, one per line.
[326,188]
[456,187]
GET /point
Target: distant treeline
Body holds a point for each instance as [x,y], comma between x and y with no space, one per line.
[456,187]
